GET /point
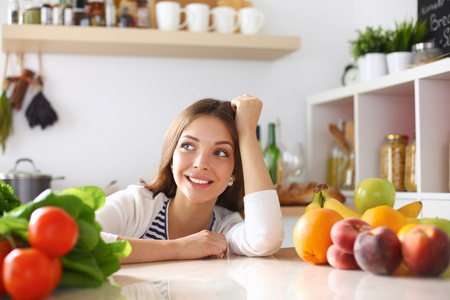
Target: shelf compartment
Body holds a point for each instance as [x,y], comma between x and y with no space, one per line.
[143,42]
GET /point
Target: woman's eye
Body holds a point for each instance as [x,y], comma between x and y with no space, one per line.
[187,146]
[221,153]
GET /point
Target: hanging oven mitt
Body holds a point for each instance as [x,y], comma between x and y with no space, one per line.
[40,112]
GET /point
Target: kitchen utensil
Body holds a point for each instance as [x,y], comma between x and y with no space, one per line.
[350,134]
[339,136]
[27,185]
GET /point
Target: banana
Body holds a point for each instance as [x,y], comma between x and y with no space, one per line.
[317,201]
[411,210]
[337,206]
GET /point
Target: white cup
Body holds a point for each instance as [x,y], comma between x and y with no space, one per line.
[198,15]
[226,18]
[168,15]
[252,20]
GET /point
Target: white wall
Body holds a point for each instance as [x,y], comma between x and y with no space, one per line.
[114,110]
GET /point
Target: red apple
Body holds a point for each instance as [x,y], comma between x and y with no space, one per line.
[426,250]
[344,233]
[378,251]
[340,260]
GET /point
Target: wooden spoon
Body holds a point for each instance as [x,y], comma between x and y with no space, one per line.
[350,134]
[339,136]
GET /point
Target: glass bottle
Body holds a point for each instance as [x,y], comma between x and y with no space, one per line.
[393,160]
[46,13]
[337,157]
[125,19]
[410,167]
[142,16]
[110,13]
[13,12]
[68,14]
[57,13]
[272,155]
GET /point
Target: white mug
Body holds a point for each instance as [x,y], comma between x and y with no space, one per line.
[198,15]
[168,15]
[226,18]
[252,20]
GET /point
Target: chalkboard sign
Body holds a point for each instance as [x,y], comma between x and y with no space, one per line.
[437,14]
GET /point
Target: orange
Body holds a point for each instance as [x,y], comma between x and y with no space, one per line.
[404,230]
[384,216]
[312,234]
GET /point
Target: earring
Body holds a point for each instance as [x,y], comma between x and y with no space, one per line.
[231,181]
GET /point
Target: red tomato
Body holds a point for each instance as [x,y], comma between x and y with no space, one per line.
[5,248]
[52,230]
[29,273]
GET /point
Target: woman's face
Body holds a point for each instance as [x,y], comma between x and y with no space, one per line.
[203,160]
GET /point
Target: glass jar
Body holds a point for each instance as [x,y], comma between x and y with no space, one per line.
[410,167]
[393,160]
[425,53]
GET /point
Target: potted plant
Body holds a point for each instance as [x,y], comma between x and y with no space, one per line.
[400,41]
[369,50]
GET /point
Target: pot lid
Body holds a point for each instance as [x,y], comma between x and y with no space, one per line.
[16,174]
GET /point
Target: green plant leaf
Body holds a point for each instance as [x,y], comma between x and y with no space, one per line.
[91,195]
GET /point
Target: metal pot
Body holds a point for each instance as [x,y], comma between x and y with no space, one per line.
[27,185]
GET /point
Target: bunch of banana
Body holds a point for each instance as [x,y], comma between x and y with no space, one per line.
[338,206]
[318,200]
[411,210]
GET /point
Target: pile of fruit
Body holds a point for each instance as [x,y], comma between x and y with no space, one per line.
[379,239]
[54,240]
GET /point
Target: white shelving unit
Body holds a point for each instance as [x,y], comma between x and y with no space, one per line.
[413,101]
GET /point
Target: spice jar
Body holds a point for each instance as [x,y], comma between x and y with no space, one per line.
[425,53]
[393,160]
[410,167]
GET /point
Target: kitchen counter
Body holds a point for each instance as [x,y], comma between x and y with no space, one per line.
[281,276]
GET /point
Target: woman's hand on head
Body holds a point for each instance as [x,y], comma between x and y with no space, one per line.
[202,244]
[248,109]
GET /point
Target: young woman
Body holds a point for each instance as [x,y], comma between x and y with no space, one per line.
[192,209]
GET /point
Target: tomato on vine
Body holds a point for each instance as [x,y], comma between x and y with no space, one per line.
[52,230]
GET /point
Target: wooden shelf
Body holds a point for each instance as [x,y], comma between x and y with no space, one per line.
[143,42]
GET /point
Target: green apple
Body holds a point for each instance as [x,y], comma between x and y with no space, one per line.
[444,224]
[372,192]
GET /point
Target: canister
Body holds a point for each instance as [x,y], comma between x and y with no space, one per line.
[393,160]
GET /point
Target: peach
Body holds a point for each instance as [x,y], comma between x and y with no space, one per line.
[378,251]
[426,250]
[344,233]
[340,260]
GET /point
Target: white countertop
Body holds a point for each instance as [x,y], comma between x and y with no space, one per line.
[281,276]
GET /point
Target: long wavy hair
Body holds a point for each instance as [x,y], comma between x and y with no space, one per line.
[163,182]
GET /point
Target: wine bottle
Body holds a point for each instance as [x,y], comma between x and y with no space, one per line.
[271,155]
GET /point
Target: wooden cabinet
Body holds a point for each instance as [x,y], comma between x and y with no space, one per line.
[144,42]
[412,102]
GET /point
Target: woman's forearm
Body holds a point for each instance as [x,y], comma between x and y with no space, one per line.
[256,175]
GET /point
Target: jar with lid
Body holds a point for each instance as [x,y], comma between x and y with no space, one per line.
[425,53]
[32,13]
[393,160]
[410,167]
[13,12]
[46,13]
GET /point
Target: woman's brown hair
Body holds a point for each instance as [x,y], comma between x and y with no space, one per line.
[232,197]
